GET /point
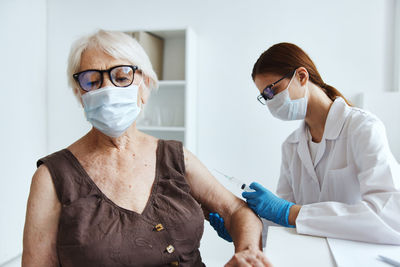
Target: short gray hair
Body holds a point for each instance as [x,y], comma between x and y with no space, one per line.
[116,44]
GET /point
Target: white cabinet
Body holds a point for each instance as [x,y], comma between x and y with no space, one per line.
[171,112]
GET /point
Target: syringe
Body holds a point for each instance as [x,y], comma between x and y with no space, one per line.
[237,182]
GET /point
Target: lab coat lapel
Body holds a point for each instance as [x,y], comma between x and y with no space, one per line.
[320,152]
[337,116]
[304,153]
[334,123]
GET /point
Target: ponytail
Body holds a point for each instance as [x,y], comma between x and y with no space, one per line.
[333,93]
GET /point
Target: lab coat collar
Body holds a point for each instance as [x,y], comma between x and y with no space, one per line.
[334,122]
[336,118]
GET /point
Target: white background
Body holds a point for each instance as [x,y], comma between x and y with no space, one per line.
[351,43]
[23,120]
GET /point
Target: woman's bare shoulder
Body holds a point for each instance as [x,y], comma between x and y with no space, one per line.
[42,187]
[42,178]
[41,221]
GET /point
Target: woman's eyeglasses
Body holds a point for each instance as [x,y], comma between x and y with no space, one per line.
[268,92]
[120,76]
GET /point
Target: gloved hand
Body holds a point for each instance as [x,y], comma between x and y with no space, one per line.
[267,205]
[217,222]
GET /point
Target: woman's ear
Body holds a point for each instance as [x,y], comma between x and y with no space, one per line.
[145,90]
[302,73]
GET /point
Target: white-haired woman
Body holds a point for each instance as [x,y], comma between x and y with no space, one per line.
[119,197]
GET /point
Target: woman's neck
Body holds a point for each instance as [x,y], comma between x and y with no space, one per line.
[126,142]
[317,112]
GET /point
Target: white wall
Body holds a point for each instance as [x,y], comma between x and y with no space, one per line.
[22,112]
[346,39]
[386,107]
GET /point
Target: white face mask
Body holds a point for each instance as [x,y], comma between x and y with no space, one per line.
[112,110]
[284,108]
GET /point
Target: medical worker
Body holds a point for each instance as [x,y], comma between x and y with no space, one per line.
[338,176]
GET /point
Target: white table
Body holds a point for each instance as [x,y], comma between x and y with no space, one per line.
[286,248]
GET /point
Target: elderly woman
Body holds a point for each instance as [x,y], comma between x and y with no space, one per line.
[119,197]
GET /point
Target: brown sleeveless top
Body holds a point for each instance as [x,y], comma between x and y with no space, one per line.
[94,231]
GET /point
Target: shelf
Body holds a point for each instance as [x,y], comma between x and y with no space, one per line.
[161,128]
[167,34]
[170,83]
[170,112]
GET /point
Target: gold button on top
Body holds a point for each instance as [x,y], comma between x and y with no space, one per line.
[174,263]
[159,227]
[170,249]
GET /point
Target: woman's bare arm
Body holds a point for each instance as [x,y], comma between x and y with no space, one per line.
[41,222]
[243,225]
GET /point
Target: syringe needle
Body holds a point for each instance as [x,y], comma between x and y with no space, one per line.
[222,173]
[236,181]
[231,178]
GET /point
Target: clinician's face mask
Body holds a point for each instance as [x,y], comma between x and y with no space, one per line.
[112,110]
[284,108]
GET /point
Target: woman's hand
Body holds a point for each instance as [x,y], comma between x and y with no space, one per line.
[269,206]
[217,222]
[249,257]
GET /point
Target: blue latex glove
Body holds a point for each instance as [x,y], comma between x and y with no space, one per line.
[217,222]
[267,205]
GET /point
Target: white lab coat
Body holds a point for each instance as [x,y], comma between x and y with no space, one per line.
[359,197]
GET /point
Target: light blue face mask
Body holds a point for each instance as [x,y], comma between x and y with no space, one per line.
[112,110]
[284,108]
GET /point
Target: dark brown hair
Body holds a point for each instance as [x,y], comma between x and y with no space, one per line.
[283,58]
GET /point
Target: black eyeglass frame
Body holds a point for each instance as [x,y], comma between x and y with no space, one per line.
[268,92]
[108,71]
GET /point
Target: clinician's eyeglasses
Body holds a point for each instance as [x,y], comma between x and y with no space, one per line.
[268,92]
[120,76]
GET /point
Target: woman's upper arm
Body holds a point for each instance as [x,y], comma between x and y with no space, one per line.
[207,190]
[41,222]
[377,168]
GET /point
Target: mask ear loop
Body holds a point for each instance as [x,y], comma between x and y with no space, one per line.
[141,103]
[306,91]
[290,82]
[141,81]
